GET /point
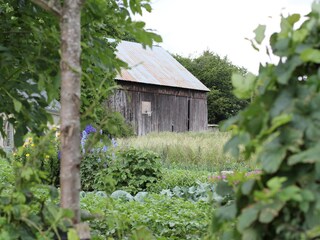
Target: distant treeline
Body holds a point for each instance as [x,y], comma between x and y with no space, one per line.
[215,72]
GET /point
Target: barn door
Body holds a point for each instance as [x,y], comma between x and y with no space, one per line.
[146,117]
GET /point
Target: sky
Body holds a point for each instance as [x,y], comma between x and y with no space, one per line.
[189,27]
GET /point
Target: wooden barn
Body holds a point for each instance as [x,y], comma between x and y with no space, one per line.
[157,93]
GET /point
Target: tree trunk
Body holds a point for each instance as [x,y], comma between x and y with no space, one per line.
[70,106]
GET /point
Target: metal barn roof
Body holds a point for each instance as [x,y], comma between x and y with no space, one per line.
[154,66]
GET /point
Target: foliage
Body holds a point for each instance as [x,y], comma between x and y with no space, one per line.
[45,152]
[166,218]
[28,207]
[114,125]
[198,192]
[215,72]
[171,178]
[6,172]
[29,57]
[134,170]
[97,151]
[281,126]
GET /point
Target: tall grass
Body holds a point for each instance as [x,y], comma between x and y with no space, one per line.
[190,150]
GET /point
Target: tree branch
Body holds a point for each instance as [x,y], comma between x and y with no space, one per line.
[53,6]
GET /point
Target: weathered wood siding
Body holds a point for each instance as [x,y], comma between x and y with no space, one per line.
[172,109]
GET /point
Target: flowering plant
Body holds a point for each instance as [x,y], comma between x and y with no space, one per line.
[97,155]
[43,153]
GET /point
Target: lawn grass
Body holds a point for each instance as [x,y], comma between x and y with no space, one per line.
[189,150]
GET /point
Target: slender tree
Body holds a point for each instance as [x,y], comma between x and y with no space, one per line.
[70,27]
[69,14]
[70,105]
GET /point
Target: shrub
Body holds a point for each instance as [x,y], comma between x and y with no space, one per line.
[28,207]
[98,152]
[92,164]
[135,170]
[282,127]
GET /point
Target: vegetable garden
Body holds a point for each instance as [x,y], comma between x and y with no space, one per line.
[162,187]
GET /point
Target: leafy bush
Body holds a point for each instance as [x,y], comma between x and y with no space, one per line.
[28,208]
[98,152]
[282,127]
[135,170]
[92,164]
[166,218]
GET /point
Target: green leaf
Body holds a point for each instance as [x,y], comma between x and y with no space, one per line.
[279,121]
[309,156]
[247,186]
[17,105]
[300,35]
[310,55]
[72,234]
[292,139]
[224,189]
[26,173]
[247,217]
[260,33]
[251,234]
[147,6]
[292,19]
[226,212]
[269,212]
[275,183]
[143,232]
[272,157]
[314,233]
[291,193]
[243,86]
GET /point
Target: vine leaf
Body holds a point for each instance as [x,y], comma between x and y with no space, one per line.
[260,33]
[272,157]
[310,55]
[247,217]
[243,86]
[309,156]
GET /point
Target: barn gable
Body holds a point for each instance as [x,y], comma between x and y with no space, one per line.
[158,93]
[155,66]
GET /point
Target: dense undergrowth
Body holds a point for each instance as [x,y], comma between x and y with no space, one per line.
[127,191]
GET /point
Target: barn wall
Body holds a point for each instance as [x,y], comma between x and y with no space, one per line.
[169,108]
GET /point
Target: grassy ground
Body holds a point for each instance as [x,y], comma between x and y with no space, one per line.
[190,150]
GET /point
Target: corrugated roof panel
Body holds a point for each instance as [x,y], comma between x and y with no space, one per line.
[155,66]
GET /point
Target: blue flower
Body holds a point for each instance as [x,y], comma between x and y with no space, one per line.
[114,142]
[83,140]
[90,129]
[59,155]
[105,148]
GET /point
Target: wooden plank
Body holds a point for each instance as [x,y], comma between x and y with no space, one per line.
[169,108]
